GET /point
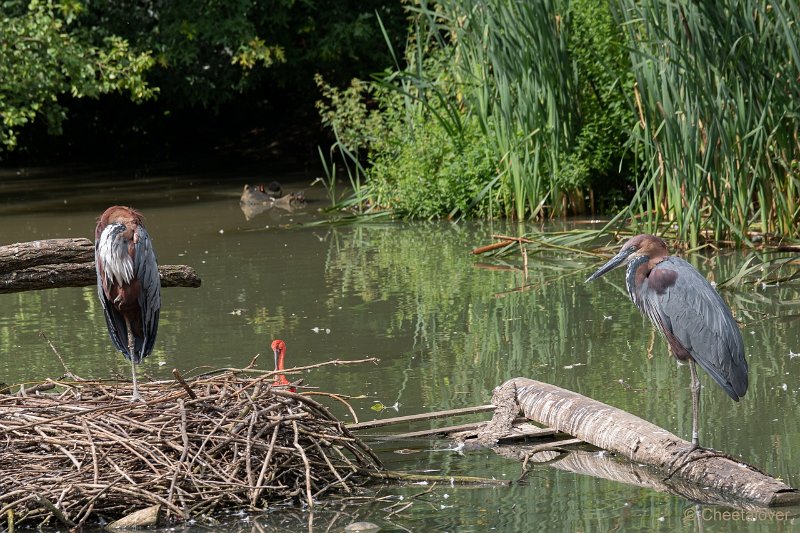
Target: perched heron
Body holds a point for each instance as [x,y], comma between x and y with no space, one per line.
[688,312]
[279,349]
[128,284]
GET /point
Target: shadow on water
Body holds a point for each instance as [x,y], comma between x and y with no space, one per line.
[448,328]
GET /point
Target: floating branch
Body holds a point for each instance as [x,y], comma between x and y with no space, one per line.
[563,241]
[54,263]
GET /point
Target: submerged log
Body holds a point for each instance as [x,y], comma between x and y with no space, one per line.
[53,263]
[640,441]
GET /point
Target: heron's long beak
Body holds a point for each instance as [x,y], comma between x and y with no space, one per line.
[276,352]
[613,263]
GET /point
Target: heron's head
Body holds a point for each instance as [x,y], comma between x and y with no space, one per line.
[278,348]
[638,246]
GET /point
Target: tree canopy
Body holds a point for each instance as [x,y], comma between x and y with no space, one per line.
[196,57]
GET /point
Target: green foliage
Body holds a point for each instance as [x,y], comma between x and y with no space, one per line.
[426,159]
[426,176]
[209,61]
[209,53]
[346,113]
[717,91]
[41,59]
[686,111]
[525,96]
[206,52]
[596,45]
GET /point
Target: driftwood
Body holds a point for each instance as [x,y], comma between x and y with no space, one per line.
[53,263]
[416,418]
[640,441]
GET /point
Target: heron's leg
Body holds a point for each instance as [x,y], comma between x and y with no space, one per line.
[131,347]
[695,405]
[682,458]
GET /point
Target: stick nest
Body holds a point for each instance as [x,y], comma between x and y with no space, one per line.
[88,455]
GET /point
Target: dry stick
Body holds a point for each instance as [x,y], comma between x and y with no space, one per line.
[95,467]
[90,504]
[305,461]
[60,516]
[148,430]
[513,239]
[407,505]
[490,247]
[338,398]
[185,440]
[248,452]
[420,417]
[362,451]
[252,363]
[403,508]
[404,476]
[330,466]
[549,245]
[180,379]
[295,370]
[118,406]
[67,371]
[257,492]
[62,450]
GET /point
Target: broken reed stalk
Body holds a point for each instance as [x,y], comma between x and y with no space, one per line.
[87,452]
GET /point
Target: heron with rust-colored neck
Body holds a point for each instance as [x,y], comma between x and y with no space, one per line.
[690,314]
[128,284]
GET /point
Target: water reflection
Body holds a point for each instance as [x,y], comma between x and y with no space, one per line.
[447,328]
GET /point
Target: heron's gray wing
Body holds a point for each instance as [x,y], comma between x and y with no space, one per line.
[692,311]
[145,269]
[114,320]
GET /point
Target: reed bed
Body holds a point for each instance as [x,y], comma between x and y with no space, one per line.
[716,94]
[227,441]
[673,116]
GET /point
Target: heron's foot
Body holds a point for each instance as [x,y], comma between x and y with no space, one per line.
[682,458]
[690,454]
[136,397]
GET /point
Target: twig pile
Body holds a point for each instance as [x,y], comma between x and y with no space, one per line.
[229,441]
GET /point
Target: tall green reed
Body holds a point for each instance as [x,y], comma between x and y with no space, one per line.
[515,73]
[716,93]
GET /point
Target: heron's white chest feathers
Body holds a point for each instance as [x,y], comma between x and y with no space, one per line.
[630,276]
[113,253]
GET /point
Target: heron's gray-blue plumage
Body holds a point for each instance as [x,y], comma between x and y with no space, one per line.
[688,311]
[691,312]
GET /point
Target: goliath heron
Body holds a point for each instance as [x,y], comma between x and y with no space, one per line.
[688,312]
[279,349]
[128,284]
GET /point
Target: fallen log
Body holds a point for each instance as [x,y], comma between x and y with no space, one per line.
[640,441]
[54,263]
[44,252]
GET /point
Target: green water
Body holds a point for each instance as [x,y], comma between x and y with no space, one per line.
[448,327]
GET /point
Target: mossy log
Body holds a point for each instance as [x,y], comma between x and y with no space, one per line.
[53,263]
[640,441]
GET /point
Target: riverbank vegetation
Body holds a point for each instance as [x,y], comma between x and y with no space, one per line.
[669,116]
[149,82]
[678,115]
